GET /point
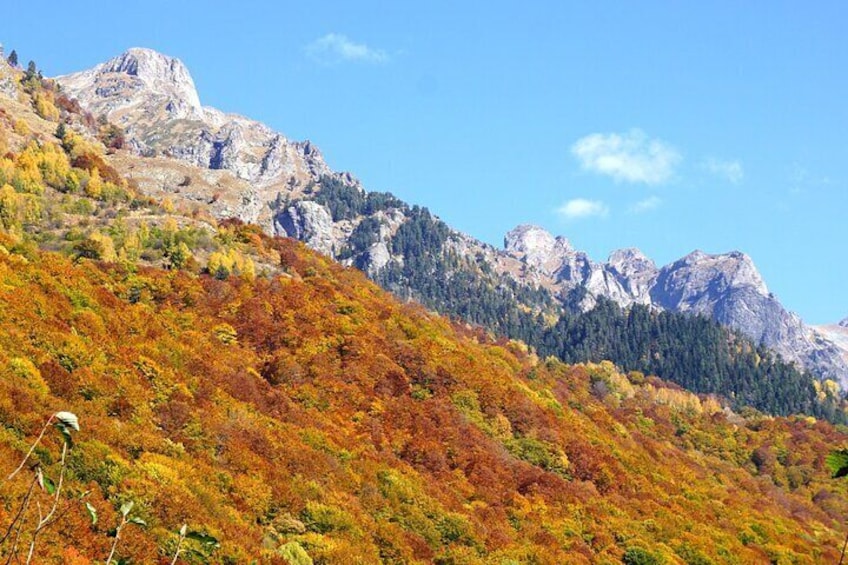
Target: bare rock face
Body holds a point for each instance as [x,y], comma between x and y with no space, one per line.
[635,272]
[136,81]
[699,279]
[553,262]
[536,246]
[8,83]
[309,222]
[729,289]
[844,323]
[154,98]
[379,255]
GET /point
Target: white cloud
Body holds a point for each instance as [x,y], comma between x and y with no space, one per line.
[629,157]
[582,208]
[646,205]
[335,48]
[732,171]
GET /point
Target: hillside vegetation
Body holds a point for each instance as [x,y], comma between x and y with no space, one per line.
[310,413]
[693,351]
[286,410]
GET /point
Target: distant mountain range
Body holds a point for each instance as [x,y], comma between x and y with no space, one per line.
[241,168]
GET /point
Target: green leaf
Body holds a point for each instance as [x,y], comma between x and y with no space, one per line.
[44,481]
[92,513]
[203,538]
[68,419]
[126,507]
[137,521]
[837,462]
[49,485]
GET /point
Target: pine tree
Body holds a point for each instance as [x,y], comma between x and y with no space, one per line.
[31,72]
[13,58]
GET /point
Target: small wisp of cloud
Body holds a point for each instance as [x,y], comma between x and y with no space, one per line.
[646,205]
[629,157]
[730,171]
[583,208]
[337,48]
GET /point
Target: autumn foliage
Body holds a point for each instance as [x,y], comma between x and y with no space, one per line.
[311,414]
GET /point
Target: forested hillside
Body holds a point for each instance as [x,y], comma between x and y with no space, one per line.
[692,351]
[308,416]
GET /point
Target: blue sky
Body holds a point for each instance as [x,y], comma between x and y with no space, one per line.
[667,126]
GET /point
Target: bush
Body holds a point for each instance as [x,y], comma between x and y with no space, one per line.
[294,554]
[640,556]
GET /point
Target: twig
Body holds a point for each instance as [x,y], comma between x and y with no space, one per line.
[19,515]
[117,535]
[14,553]
[45,521]
[179,545]
[32,448]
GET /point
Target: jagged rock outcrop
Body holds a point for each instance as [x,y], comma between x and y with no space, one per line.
[635,272]
[553,262]
[154,98]
[309,222]
[844,323]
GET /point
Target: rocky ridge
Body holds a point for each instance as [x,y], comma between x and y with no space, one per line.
[154,98]
[240,167]
[726,287]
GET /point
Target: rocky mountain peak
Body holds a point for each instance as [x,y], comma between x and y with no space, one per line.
[138,73]
[153,97]
[528,238]
[844,323]
[537,247]
[733,269]
[630,261]
[160,73]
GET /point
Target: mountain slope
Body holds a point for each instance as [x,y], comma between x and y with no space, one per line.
[311,413]
[277,183]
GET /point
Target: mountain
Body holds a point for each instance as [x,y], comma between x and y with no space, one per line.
[838,335]
[154,98]
[234,397]
[278,183]
[726,287]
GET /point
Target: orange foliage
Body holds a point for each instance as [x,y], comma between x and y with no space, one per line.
[312,412]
